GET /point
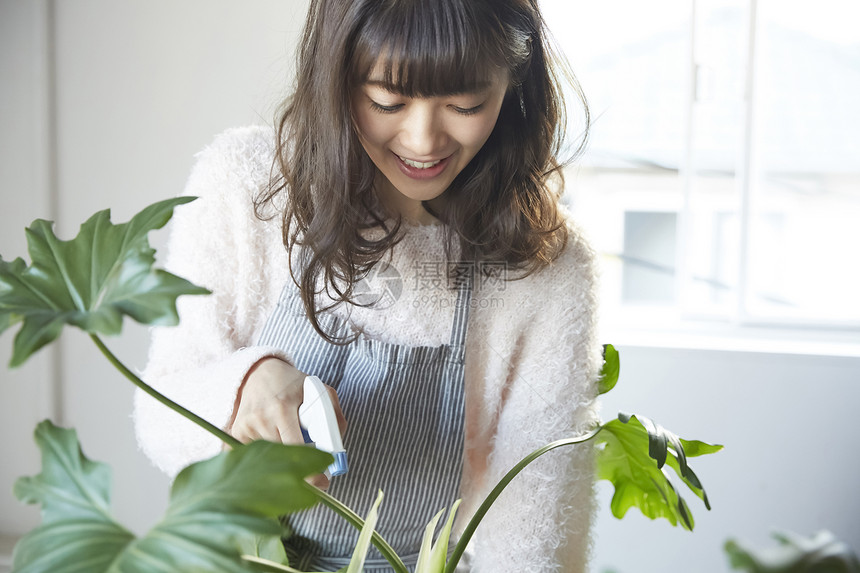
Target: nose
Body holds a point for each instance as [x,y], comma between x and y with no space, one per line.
[423,133]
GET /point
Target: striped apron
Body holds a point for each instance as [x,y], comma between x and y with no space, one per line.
[405,409]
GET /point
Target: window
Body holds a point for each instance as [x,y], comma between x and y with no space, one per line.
[722,178]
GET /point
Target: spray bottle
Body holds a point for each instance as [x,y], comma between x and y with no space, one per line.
[319,424]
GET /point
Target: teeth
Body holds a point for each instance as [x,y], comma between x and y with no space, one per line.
[418,164]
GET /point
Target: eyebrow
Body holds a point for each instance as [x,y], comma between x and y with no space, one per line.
[478,87]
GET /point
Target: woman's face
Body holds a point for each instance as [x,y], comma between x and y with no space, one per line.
[419,145]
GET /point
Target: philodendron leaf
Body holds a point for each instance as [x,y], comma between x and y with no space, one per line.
[821,553]
[610,371]
[75,497]
[91,281]
[632,454]
[213,505]
[263,547]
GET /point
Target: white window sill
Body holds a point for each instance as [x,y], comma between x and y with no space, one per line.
[705,335]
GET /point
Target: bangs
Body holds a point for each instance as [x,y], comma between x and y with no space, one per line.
[427,49]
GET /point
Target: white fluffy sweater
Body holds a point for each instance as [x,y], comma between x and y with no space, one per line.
[532,357]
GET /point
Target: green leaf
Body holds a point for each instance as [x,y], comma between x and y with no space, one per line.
[77,533]
[265,548]
[821,553]
[632,454]
[423,564]
[214,505]
[262,564]
[359,554]
[610,370]
[440,549]
[91,281]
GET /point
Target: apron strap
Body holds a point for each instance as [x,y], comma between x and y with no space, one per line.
[463,279]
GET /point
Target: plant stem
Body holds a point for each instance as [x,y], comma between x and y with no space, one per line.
[335,505]
[491,498]
[268,565]
[217,432]
[353,518]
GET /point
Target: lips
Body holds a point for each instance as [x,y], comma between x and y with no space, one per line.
[422,169]
[418,164]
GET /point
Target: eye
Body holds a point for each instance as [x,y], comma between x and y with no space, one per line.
[468,110]
[378,107]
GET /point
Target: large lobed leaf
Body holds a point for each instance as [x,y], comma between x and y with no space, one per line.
[821,553]
[632,454]
[213,505]
[90,281]
[610,371]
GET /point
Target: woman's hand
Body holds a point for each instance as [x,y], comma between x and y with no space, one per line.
[267,407]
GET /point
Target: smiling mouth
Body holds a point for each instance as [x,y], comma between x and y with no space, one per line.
[419,164]
[422,170]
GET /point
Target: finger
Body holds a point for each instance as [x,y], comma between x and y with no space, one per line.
[247,432]
[338,412]
[286,421]
[319,481]
[271,431]
[239,433]
[289,432]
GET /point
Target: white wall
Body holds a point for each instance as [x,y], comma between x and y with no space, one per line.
[25,394]
[789,427]
[141,85]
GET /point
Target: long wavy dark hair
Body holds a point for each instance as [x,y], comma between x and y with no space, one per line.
[500,208]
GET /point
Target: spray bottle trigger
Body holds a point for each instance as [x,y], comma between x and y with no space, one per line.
[306,436]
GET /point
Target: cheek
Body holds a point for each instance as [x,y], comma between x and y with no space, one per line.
[371,131]
[475,135]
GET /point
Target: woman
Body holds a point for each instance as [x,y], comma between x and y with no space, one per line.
[397,238]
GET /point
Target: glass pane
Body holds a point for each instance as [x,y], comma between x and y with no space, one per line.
[649,257]
[710,278]
[712,245]
[634,71]
[806,202]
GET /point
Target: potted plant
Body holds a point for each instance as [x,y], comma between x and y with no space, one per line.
[106,273]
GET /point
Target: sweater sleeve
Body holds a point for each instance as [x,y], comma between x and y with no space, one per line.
[547,366]
[201,363]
